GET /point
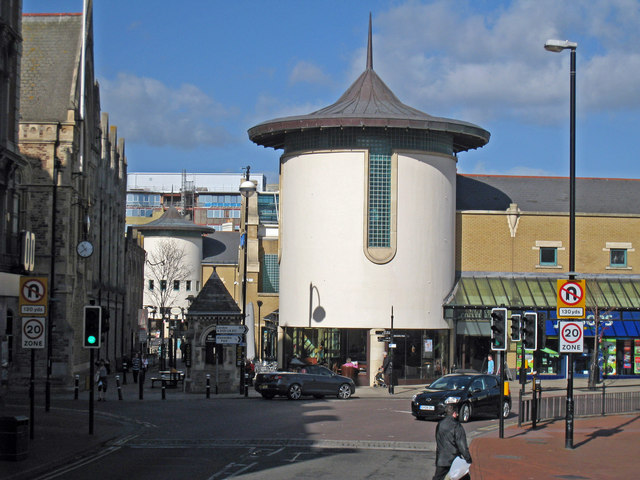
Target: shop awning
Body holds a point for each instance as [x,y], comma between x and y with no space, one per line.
[523,291]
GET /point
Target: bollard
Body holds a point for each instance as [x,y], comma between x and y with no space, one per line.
[603,399]
[164,388]
[141,385]
[520,408]
[534,403]
[119,387]
[208,389]
[539,405]
[76,387]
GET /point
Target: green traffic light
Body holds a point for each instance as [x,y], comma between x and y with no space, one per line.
[91,339]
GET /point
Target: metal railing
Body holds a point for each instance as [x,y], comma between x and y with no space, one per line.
[554,407]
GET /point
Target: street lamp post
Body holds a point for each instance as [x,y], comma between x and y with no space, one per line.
[259,302]
[57,165]
[559,46]
[247,189]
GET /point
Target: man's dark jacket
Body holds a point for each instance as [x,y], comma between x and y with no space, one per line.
[451,441]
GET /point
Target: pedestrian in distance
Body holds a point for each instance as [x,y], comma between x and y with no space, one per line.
[102,381]
[387,369]
[451,442]
[490,365]
[135,367]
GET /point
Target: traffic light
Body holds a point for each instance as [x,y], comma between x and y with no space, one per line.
[515,327]
[498,329]
[92,326]
[530,331]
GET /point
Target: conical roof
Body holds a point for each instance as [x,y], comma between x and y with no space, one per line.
[173,220]
[369,103]
[214,299]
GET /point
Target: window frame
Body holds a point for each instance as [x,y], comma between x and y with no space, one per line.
[614,251]
[554,263]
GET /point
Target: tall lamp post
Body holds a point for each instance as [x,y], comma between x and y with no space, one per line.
[57,165]
[559,46]
[259,302]
[247,189]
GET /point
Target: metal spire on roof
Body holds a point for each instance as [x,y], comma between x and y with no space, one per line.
[369,48]
[369,102]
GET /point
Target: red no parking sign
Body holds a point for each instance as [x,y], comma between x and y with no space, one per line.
[571,337]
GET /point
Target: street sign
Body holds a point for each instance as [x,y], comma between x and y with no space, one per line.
[228,339]
[571,298]
[231,329]
[571,336]
[33,296]
[33,332]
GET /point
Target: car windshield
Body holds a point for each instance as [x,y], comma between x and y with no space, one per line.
[451,383]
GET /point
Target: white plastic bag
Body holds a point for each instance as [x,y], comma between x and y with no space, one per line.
[459,468]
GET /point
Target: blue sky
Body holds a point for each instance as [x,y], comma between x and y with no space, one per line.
[183,82]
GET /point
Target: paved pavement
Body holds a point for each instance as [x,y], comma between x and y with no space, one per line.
[603,447]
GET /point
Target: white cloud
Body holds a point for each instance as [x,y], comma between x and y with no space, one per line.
[451,59]
[308,73]
[149,112]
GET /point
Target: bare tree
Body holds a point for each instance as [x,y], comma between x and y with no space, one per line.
[166,265]
[598,317]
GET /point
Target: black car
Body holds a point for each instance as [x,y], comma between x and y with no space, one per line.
[313,380]
[472,393]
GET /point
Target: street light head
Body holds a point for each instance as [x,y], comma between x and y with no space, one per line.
[247,188]
[559,45]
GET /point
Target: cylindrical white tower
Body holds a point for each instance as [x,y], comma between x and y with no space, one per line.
[324,242]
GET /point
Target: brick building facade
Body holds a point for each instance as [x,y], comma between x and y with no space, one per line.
[73,187]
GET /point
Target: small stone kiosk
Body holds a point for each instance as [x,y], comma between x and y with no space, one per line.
[212,307]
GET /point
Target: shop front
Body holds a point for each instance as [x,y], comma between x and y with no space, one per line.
[611,326]
[419,356]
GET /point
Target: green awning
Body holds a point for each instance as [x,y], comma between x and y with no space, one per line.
[529,292]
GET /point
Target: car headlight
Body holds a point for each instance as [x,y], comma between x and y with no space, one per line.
[451,400]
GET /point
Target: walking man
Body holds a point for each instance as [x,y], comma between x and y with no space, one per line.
[451,442]
[135,367]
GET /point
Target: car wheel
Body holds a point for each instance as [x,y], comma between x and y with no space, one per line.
[506,409]
[465,413]
[295,392]
[268,396]
[344,391]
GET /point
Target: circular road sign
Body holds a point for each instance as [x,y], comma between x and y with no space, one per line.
[571,293]
[33,291]
[33,332]
[571,337]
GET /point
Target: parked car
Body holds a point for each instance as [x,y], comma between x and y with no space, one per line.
[474,394]
[313,380]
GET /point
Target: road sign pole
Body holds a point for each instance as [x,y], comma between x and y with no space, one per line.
[569,418]
[501,409]
[391,351]
[92,384]
[32,393]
